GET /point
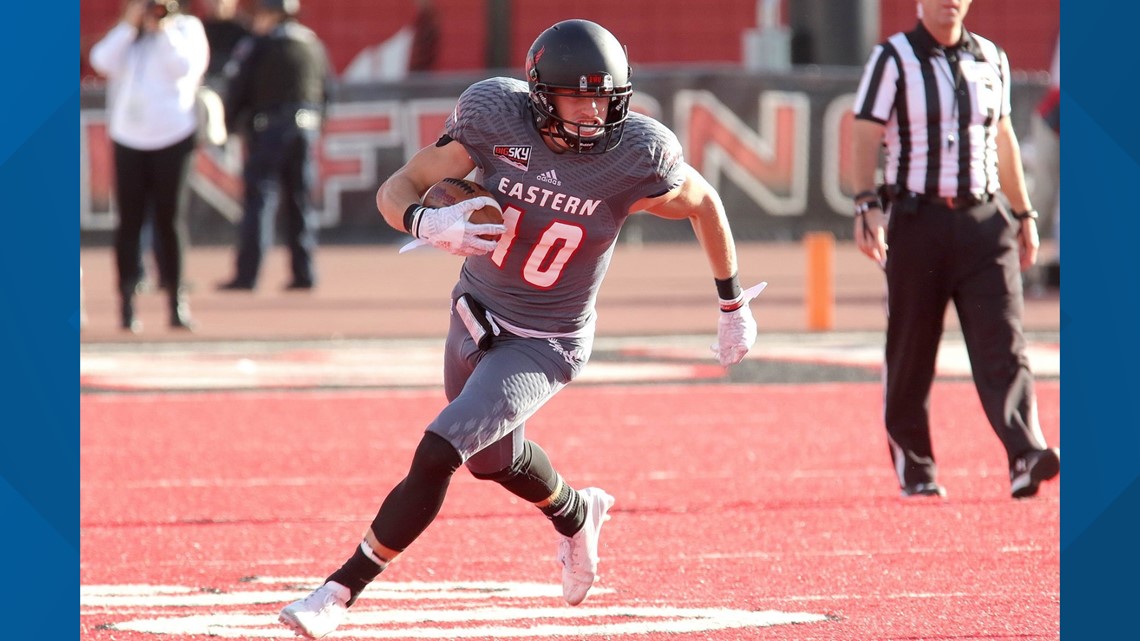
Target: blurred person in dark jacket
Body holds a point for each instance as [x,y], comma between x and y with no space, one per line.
[279,85]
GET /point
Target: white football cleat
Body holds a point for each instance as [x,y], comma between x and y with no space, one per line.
[578,554]
[318,614]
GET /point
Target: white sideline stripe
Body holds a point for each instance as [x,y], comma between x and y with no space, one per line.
[383,621]
[387,624]
[130,596]
[143,596]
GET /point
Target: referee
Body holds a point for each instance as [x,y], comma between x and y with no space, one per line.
[937,99]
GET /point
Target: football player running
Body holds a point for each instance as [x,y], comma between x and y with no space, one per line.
[567,163]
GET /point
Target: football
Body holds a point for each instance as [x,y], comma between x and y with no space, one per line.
[452,190]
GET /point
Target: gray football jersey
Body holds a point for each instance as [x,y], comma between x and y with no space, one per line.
[563,211]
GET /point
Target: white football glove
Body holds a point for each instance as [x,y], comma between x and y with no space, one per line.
[448,228]
[736,330]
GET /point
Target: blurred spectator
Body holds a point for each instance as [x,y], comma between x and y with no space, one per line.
[425,38]
[1045,132]
[154,59]
[279,86]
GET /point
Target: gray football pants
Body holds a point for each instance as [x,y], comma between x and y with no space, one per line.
[492,393]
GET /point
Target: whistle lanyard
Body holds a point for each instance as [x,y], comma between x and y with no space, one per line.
[953,73]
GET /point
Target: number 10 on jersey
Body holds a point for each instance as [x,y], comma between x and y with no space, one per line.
[540,269]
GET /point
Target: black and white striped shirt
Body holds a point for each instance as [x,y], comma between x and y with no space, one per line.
[941,107]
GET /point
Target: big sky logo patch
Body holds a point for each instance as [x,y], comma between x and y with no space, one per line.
[517,155]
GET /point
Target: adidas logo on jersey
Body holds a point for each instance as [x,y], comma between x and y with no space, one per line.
[549,177]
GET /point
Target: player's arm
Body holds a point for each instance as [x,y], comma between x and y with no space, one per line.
[696,200]
[429,166]
[446,228]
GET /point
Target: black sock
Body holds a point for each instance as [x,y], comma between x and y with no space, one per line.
[567,511]
[356,573]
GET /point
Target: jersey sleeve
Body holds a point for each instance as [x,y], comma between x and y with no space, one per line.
[1006,106]
[474,109]
[875,97]
[665,159]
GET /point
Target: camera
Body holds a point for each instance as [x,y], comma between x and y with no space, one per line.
[159,9]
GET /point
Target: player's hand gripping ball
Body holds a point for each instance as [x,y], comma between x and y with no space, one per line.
[450,191]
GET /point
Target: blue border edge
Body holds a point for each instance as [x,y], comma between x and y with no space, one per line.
[39,456]
[39,464]
[1099,318]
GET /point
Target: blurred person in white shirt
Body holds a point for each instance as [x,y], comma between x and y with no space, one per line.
[154,60]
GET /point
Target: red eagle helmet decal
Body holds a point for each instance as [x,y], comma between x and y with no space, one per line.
[532,61]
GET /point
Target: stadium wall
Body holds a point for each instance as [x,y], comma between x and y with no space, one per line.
[774,145]
[657,32]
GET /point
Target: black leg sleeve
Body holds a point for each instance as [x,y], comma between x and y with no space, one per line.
[413,504]
[533,478]
[530,477]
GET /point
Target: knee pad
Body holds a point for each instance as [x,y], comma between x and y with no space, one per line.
[434,458]
[414,503]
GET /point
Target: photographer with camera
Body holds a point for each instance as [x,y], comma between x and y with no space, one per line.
[154,59]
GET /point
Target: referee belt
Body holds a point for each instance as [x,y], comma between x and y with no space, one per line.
[949,202]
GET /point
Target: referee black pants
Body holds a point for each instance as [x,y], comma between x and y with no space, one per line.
[968,256]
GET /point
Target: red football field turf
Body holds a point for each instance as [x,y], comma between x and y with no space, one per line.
[740,509]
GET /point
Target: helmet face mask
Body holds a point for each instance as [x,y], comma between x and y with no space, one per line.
[579,59]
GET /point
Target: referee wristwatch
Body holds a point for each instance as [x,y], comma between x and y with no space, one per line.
[866,201]
[866,206]
[1028,214]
